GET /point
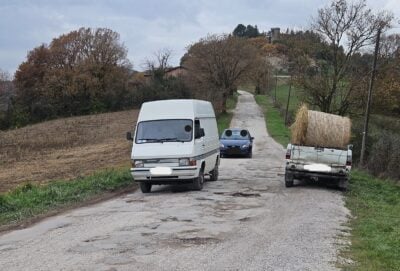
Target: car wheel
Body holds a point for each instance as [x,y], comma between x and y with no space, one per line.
[289,179]
[250,155]
[343,184]
[199,181]
[214,173]
[145,187]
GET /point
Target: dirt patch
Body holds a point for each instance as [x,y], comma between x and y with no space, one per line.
[65,148]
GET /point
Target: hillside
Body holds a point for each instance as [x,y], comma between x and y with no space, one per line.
[64,148]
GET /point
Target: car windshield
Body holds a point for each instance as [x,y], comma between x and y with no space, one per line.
[179,130]
[235,134]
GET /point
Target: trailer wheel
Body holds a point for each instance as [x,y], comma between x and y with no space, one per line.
[289,179]
[145,187]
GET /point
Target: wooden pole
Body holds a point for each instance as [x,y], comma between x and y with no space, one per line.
[367,111]
[276,82]
[288,100]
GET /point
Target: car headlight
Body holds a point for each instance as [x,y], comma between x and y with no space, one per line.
[137,163]
[245,146]
[184,162]
[222,145]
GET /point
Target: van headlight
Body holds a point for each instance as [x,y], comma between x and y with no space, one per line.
[137,163]
[222,145]
[245,146]
[184,162]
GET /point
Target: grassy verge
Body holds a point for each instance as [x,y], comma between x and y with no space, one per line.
[275,124]
[282,93]
[224,119]
[30,200]
[375,206]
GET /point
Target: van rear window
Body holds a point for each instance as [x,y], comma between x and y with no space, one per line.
[176,130]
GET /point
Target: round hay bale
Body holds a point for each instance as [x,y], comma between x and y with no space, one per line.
[319,129]
[299,127]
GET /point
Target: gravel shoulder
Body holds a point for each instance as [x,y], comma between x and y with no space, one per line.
[247,220]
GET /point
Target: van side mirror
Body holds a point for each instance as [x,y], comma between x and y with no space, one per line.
[129,136]
[350,147]
[199,133]
[252,138]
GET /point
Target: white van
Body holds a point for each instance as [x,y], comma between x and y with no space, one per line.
[175,142]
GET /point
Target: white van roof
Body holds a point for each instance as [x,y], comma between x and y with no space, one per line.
[176,109]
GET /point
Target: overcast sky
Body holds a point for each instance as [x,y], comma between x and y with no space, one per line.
[146,26]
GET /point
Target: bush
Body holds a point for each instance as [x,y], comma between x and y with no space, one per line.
[384,158]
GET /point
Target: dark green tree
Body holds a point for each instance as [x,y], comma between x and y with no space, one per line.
[239,31]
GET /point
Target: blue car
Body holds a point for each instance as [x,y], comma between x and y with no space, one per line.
[236,142]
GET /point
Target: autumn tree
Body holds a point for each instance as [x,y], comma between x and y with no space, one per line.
[386,98]
[217,64]
[6,94]
[346,27]
[84,71]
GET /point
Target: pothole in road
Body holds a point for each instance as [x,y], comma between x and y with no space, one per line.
[202,198]
[96,238]
[198,240]
[244,219]
[134,200]
[239,194]
[173,218]
[245,194]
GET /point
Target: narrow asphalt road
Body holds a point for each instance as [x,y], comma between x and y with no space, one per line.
[247,220]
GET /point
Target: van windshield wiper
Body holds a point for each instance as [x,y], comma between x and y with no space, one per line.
[162,140]
[151,139]
[171,139]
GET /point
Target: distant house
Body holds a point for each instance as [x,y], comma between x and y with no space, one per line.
[169,72]
[175,71]
[274,34]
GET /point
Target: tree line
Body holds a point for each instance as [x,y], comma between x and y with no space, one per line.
[87,71]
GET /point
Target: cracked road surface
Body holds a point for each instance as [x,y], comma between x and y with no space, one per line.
[247,220]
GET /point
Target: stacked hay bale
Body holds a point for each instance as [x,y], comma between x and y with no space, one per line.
[319,129]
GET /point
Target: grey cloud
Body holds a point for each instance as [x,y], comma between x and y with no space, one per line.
[144,26]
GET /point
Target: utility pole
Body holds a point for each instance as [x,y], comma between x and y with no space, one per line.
[276,82]
[288,100]
[371,84]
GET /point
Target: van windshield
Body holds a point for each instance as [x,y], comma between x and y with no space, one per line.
[177,130]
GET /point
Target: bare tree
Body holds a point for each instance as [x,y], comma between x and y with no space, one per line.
[346,27]
[217,64]
[159,64]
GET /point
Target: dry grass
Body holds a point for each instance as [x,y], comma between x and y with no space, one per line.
[64,148]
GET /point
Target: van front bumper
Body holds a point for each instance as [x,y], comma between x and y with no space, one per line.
[178,175]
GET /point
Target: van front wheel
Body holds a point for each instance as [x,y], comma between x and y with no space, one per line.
[214,173]
[145,187]
[199,181]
